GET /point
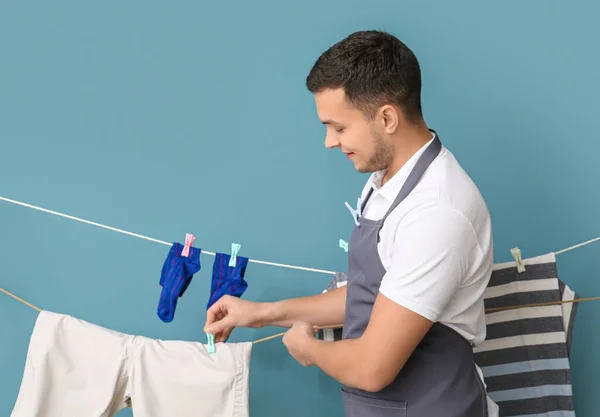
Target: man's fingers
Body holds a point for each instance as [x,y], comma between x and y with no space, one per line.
[225,334]
[215,313]
[219,325]
[220,322]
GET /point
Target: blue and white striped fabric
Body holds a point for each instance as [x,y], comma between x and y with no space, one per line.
[525,357]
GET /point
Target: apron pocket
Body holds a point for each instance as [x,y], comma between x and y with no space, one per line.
[360,406]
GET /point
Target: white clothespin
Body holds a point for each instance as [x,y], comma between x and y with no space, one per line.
[235,248]
[516,253]
[355,213]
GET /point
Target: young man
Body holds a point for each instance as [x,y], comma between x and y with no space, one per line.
[420,256]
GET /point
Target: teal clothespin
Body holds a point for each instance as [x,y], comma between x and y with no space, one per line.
[355,213]
[344,245]
[211,343]
[235,248]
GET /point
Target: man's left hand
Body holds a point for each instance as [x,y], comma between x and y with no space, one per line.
[298,340]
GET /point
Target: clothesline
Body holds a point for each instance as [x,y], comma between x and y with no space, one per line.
[114,229]
[264,339]
[339,326]
[162,242]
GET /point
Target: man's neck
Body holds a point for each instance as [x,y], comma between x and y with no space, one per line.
[408,144]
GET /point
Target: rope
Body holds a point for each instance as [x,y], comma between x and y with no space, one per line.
[596,239]
[20,300]
[162,242]
[487,310]
[547,303]
[339,326]
[264,339]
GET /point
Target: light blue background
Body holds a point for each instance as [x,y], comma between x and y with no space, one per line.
[170,117]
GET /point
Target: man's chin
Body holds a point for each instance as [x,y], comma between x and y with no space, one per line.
[362,169]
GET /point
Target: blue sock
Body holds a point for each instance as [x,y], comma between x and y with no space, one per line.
[227,279]
[176,275]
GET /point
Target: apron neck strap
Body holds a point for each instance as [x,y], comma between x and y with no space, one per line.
[426,158]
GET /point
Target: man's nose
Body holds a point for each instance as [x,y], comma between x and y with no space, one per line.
[331,142]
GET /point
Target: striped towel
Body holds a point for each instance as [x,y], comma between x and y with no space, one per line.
[525,357]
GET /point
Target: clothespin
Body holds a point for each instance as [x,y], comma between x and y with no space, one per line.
[344,245]
[516,253]
[189,241]
[235,248]
[355,213]
[211,343]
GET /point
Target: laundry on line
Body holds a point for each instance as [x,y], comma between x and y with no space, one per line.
[152,377]
[175,277]
[525,358]
[227,279]
[179,267]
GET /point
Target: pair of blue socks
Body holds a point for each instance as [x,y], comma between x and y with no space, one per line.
[178,271]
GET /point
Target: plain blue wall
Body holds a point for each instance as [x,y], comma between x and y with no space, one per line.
[170,117]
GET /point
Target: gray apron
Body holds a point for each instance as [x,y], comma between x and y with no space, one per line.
[440,378]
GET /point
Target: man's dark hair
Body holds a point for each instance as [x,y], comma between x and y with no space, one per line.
[373,68]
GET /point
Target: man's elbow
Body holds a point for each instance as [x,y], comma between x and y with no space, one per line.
[375,381]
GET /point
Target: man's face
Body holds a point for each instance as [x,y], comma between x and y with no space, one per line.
[363,141]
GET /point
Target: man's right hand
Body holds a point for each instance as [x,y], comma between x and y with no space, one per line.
[230,312]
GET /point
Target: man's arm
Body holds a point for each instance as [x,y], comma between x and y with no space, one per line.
[325,309]
[372,361]
[229,312]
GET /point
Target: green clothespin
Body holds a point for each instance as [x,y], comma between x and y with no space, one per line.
[235,248]
[211,343]
[344,245]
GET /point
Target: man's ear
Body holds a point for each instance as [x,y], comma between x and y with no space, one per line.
[390,118]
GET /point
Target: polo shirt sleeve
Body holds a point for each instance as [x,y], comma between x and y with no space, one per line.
[434,250]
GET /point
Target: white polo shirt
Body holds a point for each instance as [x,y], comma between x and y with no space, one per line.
[436,246]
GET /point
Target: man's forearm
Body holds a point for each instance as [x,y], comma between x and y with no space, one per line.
[325,309]
[346,361]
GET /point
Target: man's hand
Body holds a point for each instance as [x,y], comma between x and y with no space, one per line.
[298,341]
[231,312]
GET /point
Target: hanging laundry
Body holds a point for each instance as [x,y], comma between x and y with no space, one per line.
[227,279]
[76,368]
[525,357]
[176,276]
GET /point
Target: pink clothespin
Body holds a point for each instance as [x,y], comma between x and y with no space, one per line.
[189,241]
